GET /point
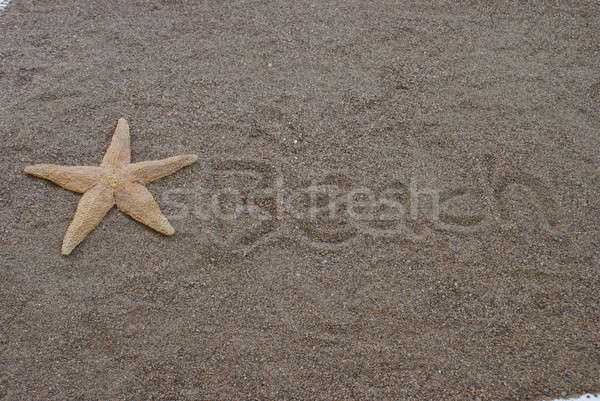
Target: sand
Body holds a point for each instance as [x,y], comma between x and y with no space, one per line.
[492,106]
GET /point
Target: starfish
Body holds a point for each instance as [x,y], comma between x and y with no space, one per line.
[116,181]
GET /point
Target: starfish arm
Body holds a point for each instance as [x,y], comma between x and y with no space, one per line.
[74,178]
[118,153]
[136,201]
[92,207]
[148,171]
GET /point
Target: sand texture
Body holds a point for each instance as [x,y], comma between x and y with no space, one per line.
[393,200]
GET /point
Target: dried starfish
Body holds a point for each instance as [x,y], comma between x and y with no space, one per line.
[116,182]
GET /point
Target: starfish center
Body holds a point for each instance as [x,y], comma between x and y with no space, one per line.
[114,178]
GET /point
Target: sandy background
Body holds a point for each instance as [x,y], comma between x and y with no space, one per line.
[499,100]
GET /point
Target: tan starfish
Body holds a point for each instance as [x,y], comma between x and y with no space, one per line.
[116,182]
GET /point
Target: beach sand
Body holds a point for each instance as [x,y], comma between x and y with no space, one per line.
[492,106]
